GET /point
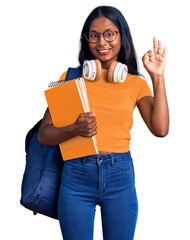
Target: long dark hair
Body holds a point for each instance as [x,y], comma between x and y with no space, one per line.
[127,54]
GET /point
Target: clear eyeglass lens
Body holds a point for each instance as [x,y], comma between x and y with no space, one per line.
[109,35]
[93,36]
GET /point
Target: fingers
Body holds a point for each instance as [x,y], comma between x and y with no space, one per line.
[89,130]
[155,48]
[92,130]
[164,52]
[87,115]
[158,48]
[148,56]
[86,124]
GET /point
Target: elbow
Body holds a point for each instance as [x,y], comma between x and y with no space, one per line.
[161,133]
[40,139]
[45,138]
[160,130]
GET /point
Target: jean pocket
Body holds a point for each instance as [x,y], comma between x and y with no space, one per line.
[124,164]
[73,163]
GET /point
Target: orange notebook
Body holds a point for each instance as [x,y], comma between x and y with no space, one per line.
[66,100]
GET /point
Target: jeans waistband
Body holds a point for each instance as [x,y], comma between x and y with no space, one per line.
[110,156]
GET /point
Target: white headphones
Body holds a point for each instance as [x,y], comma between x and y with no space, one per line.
[117,72]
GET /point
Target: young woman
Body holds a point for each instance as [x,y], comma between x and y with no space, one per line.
[107,179]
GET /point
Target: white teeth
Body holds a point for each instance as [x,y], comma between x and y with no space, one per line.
[103,50]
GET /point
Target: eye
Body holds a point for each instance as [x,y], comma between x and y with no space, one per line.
[93,35]
[109,34]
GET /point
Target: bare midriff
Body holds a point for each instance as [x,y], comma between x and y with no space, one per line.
[101,152]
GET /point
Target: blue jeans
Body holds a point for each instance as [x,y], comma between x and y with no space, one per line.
[106,180]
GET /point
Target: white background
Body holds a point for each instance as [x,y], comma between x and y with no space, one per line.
[40,40]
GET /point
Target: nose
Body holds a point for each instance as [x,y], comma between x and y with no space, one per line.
[102,41]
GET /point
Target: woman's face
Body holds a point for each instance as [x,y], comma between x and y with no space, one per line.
[105,51]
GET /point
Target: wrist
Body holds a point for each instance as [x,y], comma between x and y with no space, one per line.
[158,78]
[158,83]
[73,130]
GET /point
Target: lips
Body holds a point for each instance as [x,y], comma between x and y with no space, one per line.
[103,51]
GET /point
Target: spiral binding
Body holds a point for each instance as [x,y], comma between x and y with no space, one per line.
[56,83]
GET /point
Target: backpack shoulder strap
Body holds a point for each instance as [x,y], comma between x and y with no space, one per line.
[31,133]
[73,73]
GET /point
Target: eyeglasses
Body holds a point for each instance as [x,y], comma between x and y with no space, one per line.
[109,35]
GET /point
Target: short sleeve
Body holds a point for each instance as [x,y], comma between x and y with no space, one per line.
[144,90]
[63,76]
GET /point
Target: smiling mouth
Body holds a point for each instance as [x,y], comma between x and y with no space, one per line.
[103,52]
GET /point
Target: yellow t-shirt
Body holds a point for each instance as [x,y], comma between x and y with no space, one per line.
[113,104]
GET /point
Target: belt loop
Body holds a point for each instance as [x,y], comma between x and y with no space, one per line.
[84,159]
[111,160]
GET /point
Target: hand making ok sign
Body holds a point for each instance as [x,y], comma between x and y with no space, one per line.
[155,62]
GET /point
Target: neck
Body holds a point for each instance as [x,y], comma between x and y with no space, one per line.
[106,65]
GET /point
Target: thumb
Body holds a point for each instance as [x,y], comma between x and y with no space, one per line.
[90,114]
[144,59]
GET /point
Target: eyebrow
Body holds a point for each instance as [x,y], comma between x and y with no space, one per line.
[111,28]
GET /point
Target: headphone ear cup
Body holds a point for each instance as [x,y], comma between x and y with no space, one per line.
[98,69]
[117,72]
[92,70]
[111,71]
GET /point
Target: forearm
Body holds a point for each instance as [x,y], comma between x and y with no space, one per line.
[85,126]
[160,112]
[50,135]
